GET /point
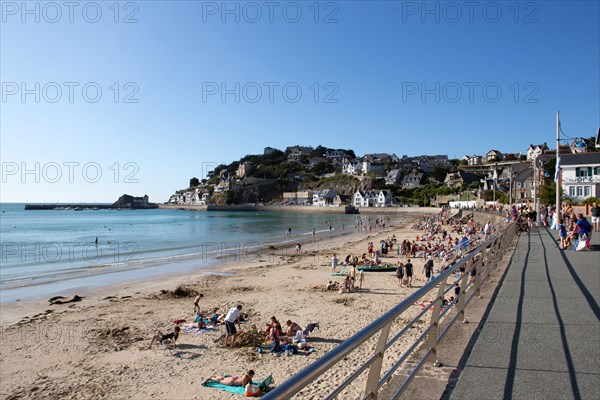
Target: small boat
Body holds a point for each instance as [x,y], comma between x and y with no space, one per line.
[377,268]
[77,209]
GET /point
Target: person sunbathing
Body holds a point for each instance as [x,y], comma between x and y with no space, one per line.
[234,380]
[162,337]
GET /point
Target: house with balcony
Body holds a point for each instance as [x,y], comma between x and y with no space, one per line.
[581,175]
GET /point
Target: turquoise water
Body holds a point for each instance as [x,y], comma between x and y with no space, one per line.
[46,252]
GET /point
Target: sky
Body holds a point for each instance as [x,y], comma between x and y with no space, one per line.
[105,98]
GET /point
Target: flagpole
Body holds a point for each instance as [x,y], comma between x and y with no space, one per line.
[558,173]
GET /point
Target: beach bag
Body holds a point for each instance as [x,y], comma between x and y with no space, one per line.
[252,390]
[405,281]
[582,244]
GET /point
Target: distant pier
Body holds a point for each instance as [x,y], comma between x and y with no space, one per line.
[84,206]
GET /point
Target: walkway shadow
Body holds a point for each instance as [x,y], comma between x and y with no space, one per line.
[561,324]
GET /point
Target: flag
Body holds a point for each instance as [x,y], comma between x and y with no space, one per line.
[557,171]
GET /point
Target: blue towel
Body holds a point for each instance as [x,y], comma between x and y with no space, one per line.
[231,389]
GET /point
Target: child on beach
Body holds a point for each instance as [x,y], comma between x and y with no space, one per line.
[562,234]
[334,263]
[361,278]
[197,301]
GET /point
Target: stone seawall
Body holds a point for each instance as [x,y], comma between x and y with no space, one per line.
[304,209]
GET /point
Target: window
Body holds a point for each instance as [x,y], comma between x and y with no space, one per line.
[579,191]
[571,191]
[586,191]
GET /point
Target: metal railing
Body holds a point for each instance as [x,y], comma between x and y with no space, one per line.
[484,257]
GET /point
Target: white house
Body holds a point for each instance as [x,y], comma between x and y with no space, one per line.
[384,198]
[580,175]
[352,167]
[368,167]
[474,160]
[324,197]
[363,199]
[493,155]
[535,150]
[372,198]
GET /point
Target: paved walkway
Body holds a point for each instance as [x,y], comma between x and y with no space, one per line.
[541,339]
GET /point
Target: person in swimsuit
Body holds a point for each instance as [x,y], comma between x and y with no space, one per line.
[162,337]
[234,380]
[197,302]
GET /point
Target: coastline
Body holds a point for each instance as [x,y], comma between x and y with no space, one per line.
[93,348]
[225,260]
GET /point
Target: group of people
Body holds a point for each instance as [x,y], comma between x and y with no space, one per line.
[579,230]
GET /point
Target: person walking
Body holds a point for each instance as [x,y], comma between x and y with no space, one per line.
[595,211]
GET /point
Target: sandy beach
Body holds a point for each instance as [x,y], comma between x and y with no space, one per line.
[96,348]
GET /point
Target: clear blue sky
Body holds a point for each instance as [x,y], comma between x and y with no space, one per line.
[374,58]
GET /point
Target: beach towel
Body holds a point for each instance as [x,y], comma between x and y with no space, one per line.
[231,389]
[263,385]
[195,331]
[341,273]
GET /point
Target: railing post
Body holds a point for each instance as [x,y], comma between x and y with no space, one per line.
[434,332]
[375,369]
[460,301]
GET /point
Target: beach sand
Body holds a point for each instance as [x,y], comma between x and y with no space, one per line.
[95,348]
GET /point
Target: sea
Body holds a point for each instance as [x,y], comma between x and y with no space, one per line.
[63,251]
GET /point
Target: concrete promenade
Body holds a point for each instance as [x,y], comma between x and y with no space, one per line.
[541,338]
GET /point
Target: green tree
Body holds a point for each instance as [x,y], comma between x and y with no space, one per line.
[439,173]
[548,193]
[194,182]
